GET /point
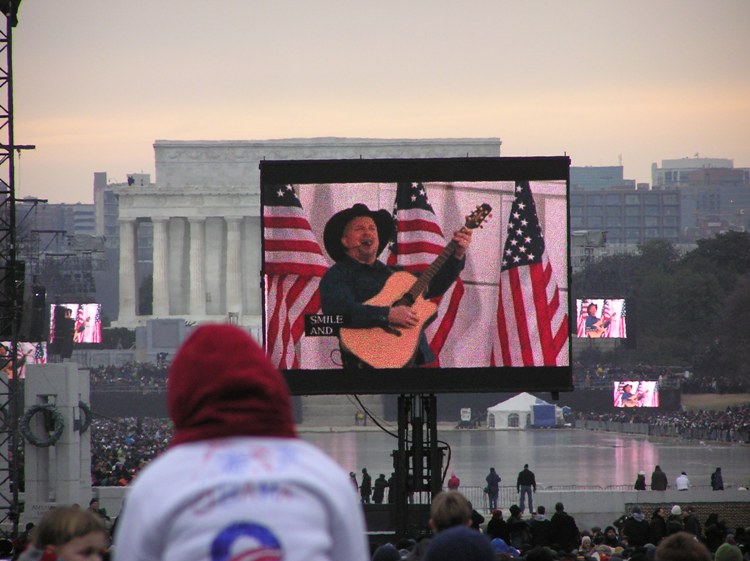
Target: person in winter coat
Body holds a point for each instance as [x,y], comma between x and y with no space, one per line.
[717,480]
[658,480]
[640,481]
[453,482]
[564,532]
[493,488]
[378,493]
[636,528]
[657,528]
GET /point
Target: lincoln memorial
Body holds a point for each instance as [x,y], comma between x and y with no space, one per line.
[205,214]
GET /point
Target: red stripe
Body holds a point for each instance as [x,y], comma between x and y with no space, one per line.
[273,321]
[440,336]
[418,225]
[524,340]
[561,336]
[293,222]
[299,246]
[288,334]
[539,280]
[302,269]
[502,331]
[408,248]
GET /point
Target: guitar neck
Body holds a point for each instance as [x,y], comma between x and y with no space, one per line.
[420,287]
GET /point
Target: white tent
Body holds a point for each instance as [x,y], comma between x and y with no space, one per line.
[516,412]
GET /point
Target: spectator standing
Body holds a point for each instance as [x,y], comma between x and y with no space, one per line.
[476,519]
[691,523]
[636,528]
[518,528]
[453,482]
[493,488]
[682,483]
[539,527]
[525,483]
[365,489]
[378,493]
[674,521]
[658,480]
[717,480]
[497,527]
[715,530]
[563,530]
[657,527]
[237,482]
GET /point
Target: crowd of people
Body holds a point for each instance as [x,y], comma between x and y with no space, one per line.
[121,448]
[729,425]
[665,534]
[133,375]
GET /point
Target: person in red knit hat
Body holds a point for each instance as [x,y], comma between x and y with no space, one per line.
[236,481]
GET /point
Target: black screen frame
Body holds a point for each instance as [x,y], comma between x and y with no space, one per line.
[422,380]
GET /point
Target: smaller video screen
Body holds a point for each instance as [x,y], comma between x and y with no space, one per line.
[602,318]
[27,353]
[82,322]
[637,393]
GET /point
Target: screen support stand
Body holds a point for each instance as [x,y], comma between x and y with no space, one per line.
[417,462]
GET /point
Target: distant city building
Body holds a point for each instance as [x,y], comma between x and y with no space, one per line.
[715,201]
[675,172]
[715,196]
[627,216]
[592,178]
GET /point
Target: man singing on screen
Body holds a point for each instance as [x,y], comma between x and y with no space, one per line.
[354,238]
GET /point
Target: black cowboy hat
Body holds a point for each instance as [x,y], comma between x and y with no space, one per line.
[334,229]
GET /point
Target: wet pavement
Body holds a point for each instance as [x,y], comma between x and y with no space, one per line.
[558,457]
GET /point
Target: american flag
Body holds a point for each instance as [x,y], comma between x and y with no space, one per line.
[606,318]
[623,323]
[532,323]
[294,265]
[417,241]
[97,335]
[80,325]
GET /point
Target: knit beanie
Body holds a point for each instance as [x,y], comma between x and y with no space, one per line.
[459,543]
[386,552]
[728,552]
[221,384]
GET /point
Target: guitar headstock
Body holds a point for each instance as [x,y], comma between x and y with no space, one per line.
[478,216]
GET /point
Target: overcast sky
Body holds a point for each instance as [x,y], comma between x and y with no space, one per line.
[97,82]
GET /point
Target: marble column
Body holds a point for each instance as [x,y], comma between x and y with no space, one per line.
[197,303]
[161,267]
[127,311]
[234,264]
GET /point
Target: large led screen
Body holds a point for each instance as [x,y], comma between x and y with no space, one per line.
[364,290]
[26,353]
[602,318]
[637,393]
[80,321]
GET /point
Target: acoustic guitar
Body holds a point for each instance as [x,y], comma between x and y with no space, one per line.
[597,330]
[395,347]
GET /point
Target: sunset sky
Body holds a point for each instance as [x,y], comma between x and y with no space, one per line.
[97,82]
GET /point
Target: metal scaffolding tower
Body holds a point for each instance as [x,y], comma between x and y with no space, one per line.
[11,281]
